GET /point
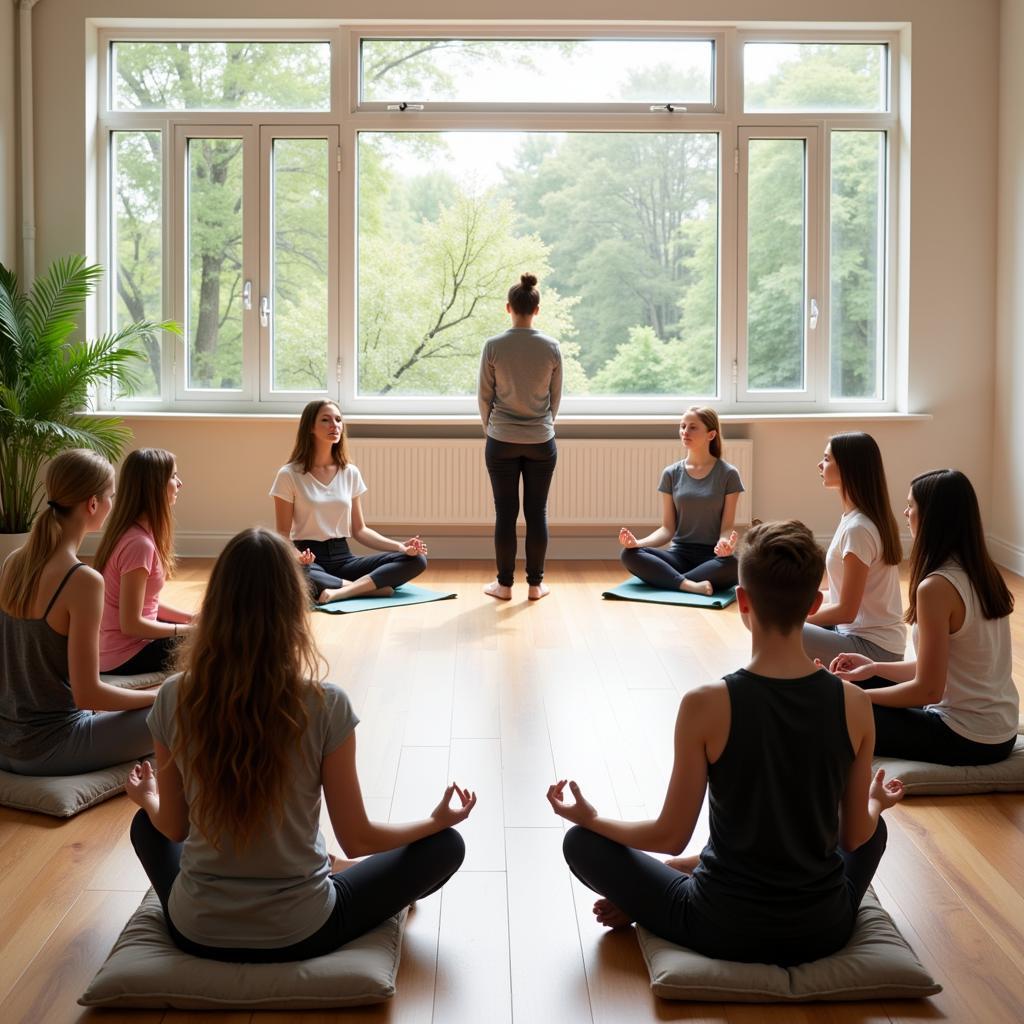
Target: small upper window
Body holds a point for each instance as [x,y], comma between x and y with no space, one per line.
[243,75]
[530,71]
[793,78]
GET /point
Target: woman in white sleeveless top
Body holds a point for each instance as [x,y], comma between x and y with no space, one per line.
[956,702]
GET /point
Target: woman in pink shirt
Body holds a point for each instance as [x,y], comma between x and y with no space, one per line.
[135,556]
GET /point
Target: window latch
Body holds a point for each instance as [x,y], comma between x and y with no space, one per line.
[247,295]
[403,106]
[264,312]
[667,108]
[813,320]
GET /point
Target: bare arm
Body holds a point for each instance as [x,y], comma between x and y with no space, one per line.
[372,539]
[129,610]
[851,593]
[355,832]
[163,801]
[662,535]
[673,827]
[85,609]
[283,512]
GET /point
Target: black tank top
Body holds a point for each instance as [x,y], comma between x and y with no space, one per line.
[772,861]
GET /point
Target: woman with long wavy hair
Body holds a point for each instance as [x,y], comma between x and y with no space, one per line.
[955,702]
[50,608]
[136,555]
[245,738]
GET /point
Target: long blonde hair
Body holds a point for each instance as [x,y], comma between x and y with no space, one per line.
[142,494]
[71,478]
[304,449]
[242,703]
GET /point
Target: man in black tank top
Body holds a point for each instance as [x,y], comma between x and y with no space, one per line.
[784,750]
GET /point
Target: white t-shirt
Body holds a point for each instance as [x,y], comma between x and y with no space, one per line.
[320,511]
[880,616]
[980,701]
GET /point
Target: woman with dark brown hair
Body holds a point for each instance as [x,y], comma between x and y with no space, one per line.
[316,506]
[862,610]
[245,738]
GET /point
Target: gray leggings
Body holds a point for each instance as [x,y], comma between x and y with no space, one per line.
[96,741]
[826,643]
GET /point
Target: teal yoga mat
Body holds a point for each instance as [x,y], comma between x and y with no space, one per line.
[636,590]
[406,594]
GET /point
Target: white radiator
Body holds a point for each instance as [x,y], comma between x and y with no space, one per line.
[443,482]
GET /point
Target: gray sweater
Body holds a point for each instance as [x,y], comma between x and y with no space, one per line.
[520,386]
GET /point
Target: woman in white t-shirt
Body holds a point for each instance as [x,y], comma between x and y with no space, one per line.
[862,610]
[955,702]
[316,506]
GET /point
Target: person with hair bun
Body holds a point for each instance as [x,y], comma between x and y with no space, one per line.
[862,611]
[519,391]
[139,632]
[57,717]
[698,508]
[955,702]
[247,738]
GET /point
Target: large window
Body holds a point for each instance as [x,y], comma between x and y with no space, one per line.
[341,214]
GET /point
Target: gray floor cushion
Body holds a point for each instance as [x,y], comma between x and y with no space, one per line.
[135,682]
[877,963]
[62,795]
[922,779]
[146,970]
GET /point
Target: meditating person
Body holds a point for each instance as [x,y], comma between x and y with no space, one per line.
[698,509]
[57,717]
[862,610]
[245,737]
[955,702]
[785,750]
[139,632]
[316,505]
[519,391]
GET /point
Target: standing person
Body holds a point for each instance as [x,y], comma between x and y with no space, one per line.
[784,750]
[519,392]
[245,738]
[57,717]
[316,505]
[698,510]
[954,703]
[139,632]
[862,610]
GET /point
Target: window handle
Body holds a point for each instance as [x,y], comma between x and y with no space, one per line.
[813,321]
[264,312]
[403,106]
[247,295]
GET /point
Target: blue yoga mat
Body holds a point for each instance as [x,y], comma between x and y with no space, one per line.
[636,590]
[406,594]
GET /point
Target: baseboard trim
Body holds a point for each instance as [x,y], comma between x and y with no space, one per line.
[1008,555]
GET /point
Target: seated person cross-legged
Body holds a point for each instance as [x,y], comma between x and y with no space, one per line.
[784,750]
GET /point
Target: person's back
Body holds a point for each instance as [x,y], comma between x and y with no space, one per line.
[525,367]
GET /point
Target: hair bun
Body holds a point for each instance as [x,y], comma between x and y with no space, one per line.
[528,280]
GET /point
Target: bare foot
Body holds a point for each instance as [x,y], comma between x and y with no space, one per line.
[685,865]
[339,864]
[539,590]
[495,589]
[608,914]
[345,592]
[691,587]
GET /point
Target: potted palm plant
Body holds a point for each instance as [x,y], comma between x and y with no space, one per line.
[46,381]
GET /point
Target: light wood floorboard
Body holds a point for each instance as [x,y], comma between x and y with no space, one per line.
[505,697]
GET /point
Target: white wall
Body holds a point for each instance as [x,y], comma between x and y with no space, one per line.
[951,299]
[1006,517]
[9,230]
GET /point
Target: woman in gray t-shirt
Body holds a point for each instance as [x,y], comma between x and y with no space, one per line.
[245,738]
[698,509]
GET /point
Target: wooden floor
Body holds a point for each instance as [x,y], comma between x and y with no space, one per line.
[505,698]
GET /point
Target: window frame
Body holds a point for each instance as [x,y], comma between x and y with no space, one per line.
[349,117]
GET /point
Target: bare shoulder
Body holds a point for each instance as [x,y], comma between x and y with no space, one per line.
[706,699]
[936,591]
[86,582]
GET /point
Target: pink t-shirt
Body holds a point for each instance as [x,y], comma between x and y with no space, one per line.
[135,550]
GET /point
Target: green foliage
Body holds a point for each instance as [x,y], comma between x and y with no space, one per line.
[45,380]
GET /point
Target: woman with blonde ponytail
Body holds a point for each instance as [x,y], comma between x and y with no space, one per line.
[56,716]
[229,830]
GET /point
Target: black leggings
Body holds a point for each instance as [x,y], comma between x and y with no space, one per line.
[335,563]
[506,463]
[666,568]
[366,894]
[915,734]
[658,897]
[156,656]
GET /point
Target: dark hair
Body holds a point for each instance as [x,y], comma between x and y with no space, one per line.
[304,449]
[781,565]
[949,530]
[709,418]
[524,297]
[862,476]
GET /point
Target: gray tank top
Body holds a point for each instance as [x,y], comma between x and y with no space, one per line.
[37,709]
